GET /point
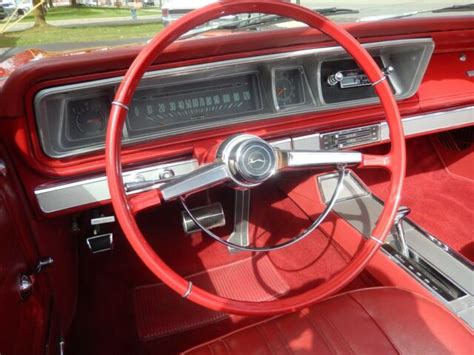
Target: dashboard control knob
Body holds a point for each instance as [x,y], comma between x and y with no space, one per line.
[166,174]
[388,70]
[335,78]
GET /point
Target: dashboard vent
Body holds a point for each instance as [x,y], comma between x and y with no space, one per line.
[350,137]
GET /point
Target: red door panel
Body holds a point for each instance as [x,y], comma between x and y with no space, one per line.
[23,320]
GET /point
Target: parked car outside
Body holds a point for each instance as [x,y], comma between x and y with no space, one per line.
[171,10]
[10,7]
[2,13]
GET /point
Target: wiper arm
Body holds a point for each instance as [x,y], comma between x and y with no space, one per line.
[263,20]
[226,26]
[266,20]
[455,8]
[332,11]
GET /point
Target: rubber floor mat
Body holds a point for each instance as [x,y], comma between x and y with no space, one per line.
[161,312]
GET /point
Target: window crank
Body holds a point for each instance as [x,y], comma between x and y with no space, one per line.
[27,281]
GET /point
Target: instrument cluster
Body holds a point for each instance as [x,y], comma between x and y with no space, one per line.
[72,119]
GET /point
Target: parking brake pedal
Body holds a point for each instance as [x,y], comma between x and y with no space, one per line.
[100,241]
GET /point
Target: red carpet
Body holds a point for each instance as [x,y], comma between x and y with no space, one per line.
[107,314]
[442,203]
[160,311]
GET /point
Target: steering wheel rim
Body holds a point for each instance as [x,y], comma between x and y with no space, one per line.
[394,161]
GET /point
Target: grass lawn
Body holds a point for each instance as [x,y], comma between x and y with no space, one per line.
[68,13]
[52,34]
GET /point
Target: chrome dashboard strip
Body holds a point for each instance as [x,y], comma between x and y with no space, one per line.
[54,198]
[83,192]
[432,122]
[412,126]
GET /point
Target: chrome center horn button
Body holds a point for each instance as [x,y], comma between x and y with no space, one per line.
[255,160]
[249,158]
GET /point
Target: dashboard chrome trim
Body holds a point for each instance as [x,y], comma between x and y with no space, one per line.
[278,60]
[432,122]
[412,126]
[63,196]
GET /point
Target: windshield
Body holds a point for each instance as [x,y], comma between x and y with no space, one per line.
[66,25]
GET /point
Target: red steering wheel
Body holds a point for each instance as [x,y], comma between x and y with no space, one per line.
[126,208]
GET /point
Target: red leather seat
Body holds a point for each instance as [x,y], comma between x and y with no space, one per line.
[370,321]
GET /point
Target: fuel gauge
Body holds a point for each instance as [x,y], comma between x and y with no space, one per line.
[289,87]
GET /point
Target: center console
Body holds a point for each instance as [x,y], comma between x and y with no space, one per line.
[441,270]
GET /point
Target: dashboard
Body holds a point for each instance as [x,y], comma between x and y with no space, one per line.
[72,119]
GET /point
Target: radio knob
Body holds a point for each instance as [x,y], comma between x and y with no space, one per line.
[335,78]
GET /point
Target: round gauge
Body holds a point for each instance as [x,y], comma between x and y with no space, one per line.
[285,89]
[88,117]
[288,87]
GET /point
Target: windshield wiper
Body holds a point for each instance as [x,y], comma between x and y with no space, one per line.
[262,21]
[331,11]
[454,8]
[266,20]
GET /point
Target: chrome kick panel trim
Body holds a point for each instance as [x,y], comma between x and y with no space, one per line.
[84,192]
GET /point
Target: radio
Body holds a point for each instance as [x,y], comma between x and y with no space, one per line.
[352,78]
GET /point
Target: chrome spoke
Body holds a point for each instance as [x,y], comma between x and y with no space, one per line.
[200,179]
[296,159]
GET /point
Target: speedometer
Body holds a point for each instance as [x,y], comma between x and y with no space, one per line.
[176,106]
